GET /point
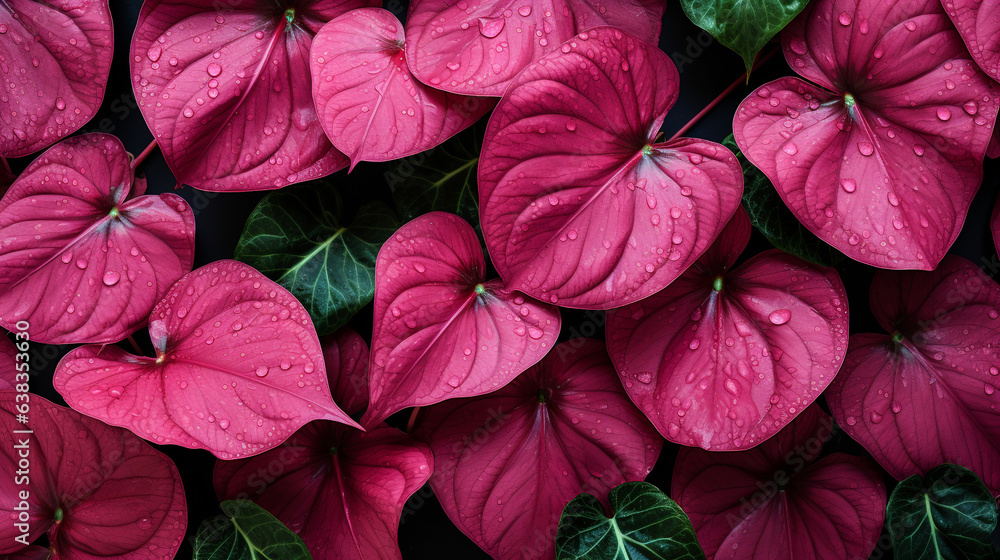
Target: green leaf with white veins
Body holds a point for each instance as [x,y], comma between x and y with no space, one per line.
[296,237]
[744,26]
[248,532]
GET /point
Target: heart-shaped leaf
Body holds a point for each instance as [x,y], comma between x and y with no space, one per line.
[979,26]
[440,179]
[882,158]
[744,27]
[297,237]
[906,396]
[645,524]
[476,47]
[775,502]
[350,486]
[238,368]
[363,88]
[774,220]
[80,261]
[56,59]
[99,491]
[225,88]
[579,205]
[247,533]
[949,513]
[723,358]
[441,331]
[507,463]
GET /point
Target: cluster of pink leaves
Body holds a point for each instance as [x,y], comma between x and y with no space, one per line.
[879,153]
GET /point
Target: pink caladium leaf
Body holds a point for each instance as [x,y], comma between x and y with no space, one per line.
[776,502]
[56,58]
[238,368]
[226,90]
[29,553]
[363,88]
[882,157]
[441,330]
[927,393]
[350,486]
[81,260]
[99,491]
[476,47]
[507,463]
[578,203]
[978,22]
[724,358]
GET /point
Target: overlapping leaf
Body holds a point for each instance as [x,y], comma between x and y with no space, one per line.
[979,25]
[579,205]
[80,260]
[724,358]
[225,89]
[350,486]
[98,491]
[645,525]
[949,513]
[507,463]
[441,330]
[298,238]
[238,368]
[248,533]
[880,159]
[927,394]
[776,502]
[55,58]
[370,105]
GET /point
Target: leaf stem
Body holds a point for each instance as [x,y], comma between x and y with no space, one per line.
[135,345]
[6,166]
[742,80]
[145,153]
[413,420]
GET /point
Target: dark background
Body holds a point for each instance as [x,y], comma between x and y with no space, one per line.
[706,69]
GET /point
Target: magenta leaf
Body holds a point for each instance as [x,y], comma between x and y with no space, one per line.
[507,463]
[29,553]
[775,502]
[99,491]
[224,88]
[56,57]
[579,206]
[80,260]
[370,105]
[927,393]
[724,358]
[350,486]
[882,158]
[979,25]
[441,331]
[476,47]
[238,368]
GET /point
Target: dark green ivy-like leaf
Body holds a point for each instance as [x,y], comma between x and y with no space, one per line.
[744,26]
[774,220]
[948,514]
[646,525]
[296,237]
[442,178]
[247,533]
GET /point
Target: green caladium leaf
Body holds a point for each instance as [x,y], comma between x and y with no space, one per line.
[774,220]
[948,514]
[440,179]
[744,26]
[297,238]
[645,524]
[248,532]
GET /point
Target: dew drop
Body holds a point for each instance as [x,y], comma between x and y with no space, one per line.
[779,316]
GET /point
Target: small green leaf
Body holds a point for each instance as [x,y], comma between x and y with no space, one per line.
[442,178]
[646,524]
[744,26]
[774,220]
[297,238]
[948,514]
[247,533]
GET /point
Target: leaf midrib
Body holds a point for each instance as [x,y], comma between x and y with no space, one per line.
[312,254]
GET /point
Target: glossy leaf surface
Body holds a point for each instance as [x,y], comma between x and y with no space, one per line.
[743,26]
[248,533]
